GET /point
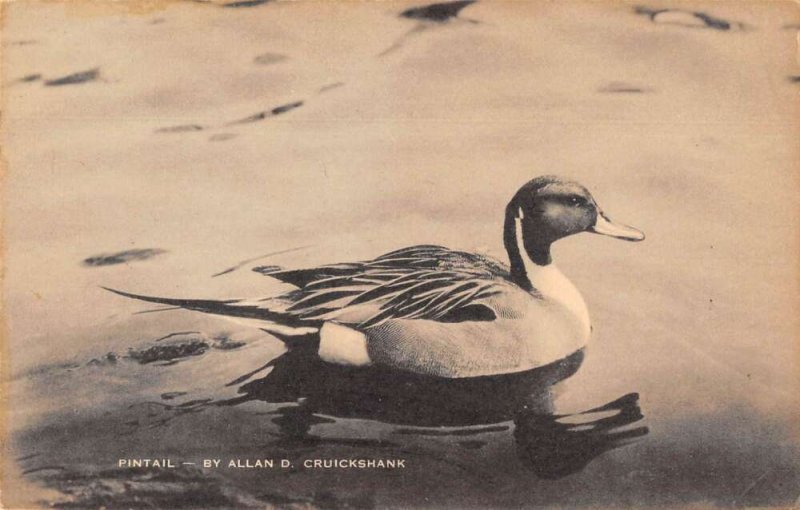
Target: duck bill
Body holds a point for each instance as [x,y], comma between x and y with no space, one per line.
[605,226]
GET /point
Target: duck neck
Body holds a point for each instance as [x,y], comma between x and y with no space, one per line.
[523,254]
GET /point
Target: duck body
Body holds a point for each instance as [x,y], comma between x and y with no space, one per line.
[529,332]
[498,328]
[434,311]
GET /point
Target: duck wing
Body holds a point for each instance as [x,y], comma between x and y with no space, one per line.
[419,282]
[405,259]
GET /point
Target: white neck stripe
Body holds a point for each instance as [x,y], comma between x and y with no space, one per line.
[551,283]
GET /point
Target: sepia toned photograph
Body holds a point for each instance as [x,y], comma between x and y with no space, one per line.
[394,254]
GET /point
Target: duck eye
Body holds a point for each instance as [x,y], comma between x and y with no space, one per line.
[575,200]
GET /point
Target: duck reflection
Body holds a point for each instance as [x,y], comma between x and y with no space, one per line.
[551,445]
[554,446]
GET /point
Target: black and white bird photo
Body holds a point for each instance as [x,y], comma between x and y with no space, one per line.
[397,254]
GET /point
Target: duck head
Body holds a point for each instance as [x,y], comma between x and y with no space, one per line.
[547,209]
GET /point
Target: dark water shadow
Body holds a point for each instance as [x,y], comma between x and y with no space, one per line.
[438,12]
[687,19]
[75,78]
[550,445]
[122,257]
[619,87]
[30,78]
[269,58]
[245,3]
[183,128]
[278,110]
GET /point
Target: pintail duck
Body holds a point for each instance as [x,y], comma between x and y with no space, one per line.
[440,312]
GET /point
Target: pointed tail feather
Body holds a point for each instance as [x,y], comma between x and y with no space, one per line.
[264,318]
